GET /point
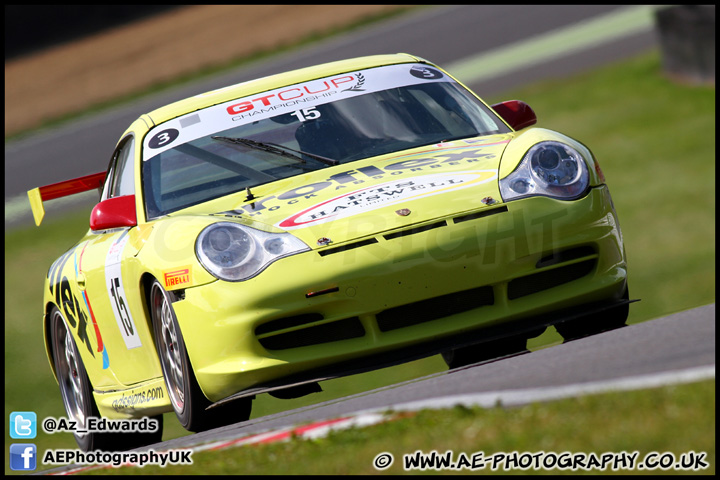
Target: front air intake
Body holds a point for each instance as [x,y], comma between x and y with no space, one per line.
[434,308]
[315,335]
[538,282]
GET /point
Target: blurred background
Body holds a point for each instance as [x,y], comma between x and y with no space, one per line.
[55,24]
[634,83]
[106,65]
[62,59]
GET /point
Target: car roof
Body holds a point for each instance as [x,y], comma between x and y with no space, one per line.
[259,85]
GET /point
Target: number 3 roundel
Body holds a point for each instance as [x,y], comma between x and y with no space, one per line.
[163,138]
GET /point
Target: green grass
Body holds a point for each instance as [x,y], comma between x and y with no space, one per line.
[674,419]
[655,141]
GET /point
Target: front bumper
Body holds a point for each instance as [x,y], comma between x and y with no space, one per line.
[441,279]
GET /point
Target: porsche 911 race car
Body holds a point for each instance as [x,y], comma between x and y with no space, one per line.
[329,220]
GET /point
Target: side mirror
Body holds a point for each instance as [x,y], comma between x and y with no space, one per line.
[516,113]
[114,213]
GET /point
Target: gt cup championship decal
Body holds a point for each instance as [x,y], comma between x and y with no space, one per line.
[295,99]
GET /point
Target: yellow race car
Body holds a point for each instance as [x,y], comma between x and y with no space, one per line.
[339,218]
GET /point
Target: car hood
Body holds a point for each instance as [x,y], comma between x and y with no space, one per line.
[382,193]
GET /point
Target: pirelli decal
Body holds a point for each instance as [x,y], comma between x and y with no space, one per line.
[178,277]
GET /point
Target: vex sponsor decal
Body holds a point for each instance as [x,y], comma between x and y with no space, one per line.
[384,194]
[101,345]
[177,277]
[63,285]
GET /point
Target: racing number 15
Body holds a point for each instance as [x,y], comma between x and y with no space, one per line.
[118,295]
[121,308]
[306,114]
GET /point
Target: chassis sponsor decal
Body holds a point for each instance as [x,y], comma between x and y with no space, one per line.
[435,159]
[384,194]
[116,291]
[138,399]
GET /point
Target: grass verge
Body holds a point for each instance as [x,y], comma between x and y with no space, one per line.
[671,420]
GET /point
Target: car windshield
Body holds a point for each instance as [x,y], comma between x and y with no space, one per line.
[248,142]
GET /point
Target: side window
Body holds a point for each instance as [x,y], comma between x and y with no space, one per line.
[121,179]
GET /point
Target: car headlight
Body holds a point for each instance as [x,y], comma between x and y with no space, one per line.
[235,252]
[549,168]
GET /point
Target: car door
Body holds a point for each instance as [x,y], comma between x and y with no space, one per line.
[109,274]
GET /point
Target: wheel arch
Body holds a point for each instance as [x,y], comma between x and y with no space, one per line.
[146,282]
[46,336]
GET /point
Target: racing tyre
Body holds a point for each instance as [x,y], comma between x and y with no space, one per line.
[187,399]
[595,322]
[79,402]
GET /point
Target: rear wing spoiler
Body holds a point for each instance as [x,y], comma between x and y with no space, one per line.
[62,189]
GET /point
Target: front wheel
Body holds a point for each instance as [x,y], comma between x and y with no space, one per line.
[76,392]
[187,399]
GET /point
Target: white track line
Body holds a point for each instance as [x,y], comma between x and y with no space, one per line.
[525,396]
[485,400]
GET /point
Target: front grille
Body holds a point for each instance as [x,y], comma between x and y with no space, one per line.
[434,308]
[537,282]
[349,246]
[287,322]
[565,256]
[315,335]
[413,231]
[480,214]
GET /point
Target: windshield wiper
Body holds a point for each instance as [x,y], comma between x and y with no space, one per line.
[276,149]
